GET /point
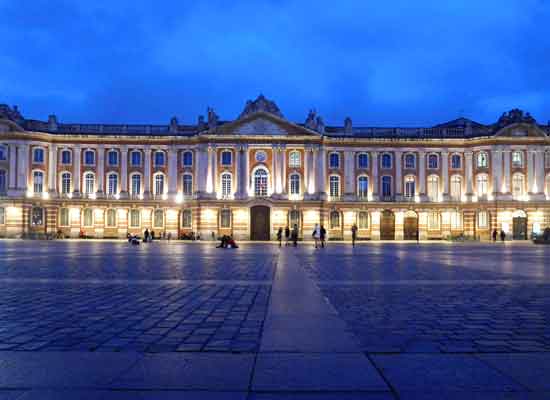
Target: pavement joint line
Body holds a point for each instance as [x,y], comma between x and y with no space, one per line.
[436,282]
[137,281]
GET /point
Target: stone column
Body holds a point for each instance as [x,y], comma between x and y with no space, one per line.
[147,172]
[52,170]
[398,176]
[321,178]
[238,179]
[422,175]
[282,170]
[172,172]
[375,183]
[507,171]
[349,175]
[100,170]
[124,172]
[276,176]
[530,171]
[77,175]
[496,170]
[311,168]
[214,170]
[12,179]
[469,174]
[201,169]
[23,167]
[445,173]
[246,164]
[539,172]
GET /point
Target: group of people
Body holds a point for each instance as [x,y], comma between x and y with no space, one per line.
[227,242]
[290,236]
[502,235]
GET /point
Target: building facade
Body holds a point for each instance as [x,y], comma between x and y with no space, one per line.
[259,172]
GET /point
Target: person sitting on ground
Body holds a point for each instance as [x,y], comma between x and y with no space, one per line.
[223,242]
[231,244]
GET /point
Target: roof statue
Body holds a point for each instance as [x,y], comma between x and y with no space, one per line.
[12,114]
[515,116]
[261,104]
[348,126]
[310,120]
[212,118]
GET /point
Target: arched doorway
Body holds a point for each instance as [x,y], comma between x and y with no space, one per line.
[519,225]
[387,225]
[410,225]
[259,223]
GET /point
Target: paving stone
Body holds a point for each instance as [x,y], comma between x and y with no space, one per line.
[532,370]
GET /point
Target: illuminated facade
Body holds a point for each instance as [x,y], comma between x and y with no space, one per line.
[252,175]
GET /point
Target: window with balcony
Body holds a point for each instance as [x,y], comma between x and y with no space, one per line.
[225,218]
[334,160]
[334,186]
[260,182]
[187,185]
[66,157]
[136,185]
[294,159]
[482,182]
[38,156]
[112,158]
[88,217]
[433,161]
[518,186]
[66,183]
[456,187]
[294,184]
[38,181]
[226,184]
[410,161]
[89,157]
[159,184]
[89,183]
[386,161]
[433,188]
[112,184]
[410,187]
[187,158]
[362,161]
[135,158]
[186,219]
[227,158]
[482,160]
[517,159]
[456,161]
[363,187]
[135,217]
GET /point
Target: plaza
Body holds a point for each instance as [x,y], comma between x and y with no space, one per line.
[170,320]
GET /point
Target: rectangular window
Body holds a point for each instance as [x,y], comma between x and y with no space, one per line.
[65,157]
[111,218]
[113,158]
[226,158]
[433,220]
[89,157]
[225,218]
[88,217]
[186,219]
[363,220]
[334,186]
[134,218]
[136,158]
[64,217]
[456,220]
[482,220]
[2,215]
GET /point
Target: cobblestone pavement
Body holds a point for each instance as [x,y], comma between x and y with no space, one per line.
[439,298]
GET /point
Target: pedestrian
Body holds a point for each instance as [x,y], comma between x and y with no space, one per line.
[146,235]
[323,236]
[316,235]
[353,234]
[495,233]
[152,235]
[295,235]
[287,235]
[417,236]
[280,236]
[502,235]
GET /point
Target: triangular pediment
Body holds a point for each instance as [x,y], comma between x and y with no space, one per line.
[263,124]
[521,130]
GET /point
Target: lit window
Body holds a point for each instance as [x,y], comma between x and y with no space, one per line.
[187,159]
[386,186]
[134,218]
[456,161]
[410,187]
[38,181]
[456,220]
[260,182]
[294,184]
[89,183]
[226,185]
[64,217]
[186,219]
[518,186]
[37,216]
[517,159]
[65,183]
[482,160]
[135,157]
[363,161]
[3,180]
[363,220]
[159,158]
[89,157]
[226,158]
[294,218]
[386,161]
[334,186]
[187,184]
[433,161]
[334,160]
[159,184]
[88,217]
[482,220]
[334,220]
[482,185]
[456,187]
[294,159]
[410,161]
[38,156]
[66,157]
[136,184]
[111,218]
[433,220]
[225,218]
[363,187]
[158,218]
[112,184]
[433,187]
[112,157]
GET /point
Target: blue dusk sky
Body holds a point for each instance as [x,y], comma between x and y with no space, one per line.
[383,63]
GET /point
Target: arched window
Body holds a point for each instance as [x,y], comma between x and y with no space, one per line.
[136,185]
[112,184]
[66,157]
[111,218]
[295,184]
[362,161]
[386,186]
[37,216]
[38,181]
[158,218]
[187,158]
[88,217]
[482,219]
[363,187]
[64,217]
[456,161]
[433,220]
[187,184]
[186,219]
[294,159]
[518,186]
[89,183]
[89,157]
[456,220]
[517,159]
[334,160]
[456,187]
[225,218]
[135,218]
[159,158]
[334,219]
[386,161]
[410,187]
[482,159]
[260,182]
[482,182]
[66,183]
[38,156]
[3,153]
[3,180]
[410,161]
[433,161]
[112,157]
[334,186]
[226,185]
[159,184]
[135,158]
[433,187]
[294,218]
[226,158]
[363,220]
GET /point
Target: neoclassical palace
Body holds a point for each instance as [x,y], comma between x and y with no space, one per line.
[249,176]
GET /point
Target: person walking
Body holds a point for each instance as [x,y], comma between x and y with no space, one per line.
[323,236]
[146,235]
[295,235]
[287,235]
[316,235]
[353,234]
[417,236]
[280,236]
[495,235]
[502,235]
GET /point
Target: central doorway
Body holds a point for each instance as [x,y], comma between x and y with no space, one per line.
[259,223]
[410,226]
[387,225]
[519,225]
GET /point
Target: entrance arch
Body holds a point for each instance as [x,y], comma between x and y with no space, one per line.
[410,225]
[387,225]
[519,225]
[259,223]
